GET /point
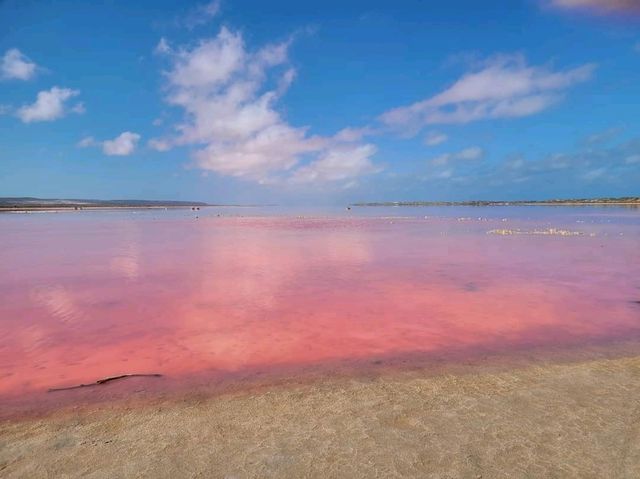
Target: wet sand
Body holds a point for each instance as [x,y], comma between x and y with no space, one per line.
[529,418]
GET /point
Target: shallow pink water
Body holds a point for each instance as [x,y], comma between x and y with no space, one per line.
[92,294]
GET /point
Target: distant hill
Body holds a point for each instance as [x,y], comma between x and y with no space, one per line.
[27,203]
[627,200]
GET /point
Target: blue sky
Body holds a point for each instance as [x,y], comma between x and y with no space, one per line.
[294,102]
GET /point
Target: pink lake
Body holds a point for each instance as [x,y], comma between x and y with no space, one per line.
[91,294]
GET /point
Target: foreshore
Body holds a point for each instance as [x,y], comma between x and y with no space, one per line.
[563,414]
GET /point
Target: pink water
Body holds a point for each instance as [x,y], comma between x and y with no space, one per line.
[84,295]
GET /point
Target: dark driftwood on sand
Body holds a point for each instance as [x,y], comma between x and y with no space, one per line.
[105,380]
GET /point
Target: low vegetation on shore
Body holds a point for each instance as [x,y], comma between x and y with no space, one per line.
[29,203]
[626,200]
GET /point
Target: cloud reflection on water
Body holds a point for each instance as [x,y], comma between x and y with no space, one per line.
[181,296]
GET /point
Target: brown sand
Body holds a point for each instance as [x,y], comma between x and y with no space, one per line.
[579,419]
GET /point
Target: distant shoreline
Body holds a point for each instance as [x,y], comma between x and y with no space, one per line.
[626,201]
[23,209]
[29,204]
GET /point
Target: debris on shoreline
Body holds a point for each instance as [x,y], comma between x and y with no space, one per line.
[104,381]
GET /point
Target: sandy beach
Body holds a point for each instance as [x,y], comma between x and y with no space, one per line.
[540,418]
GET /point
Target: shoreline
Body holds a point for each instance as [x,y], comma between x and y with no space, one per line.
[211,384]
[55,209]
[502,203]
[77,205]
[58,209]
[543,419]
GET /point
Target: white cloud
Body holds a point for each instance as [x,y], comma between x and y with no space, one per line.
[441,160]
[468,154]
[472,153]
[16,66]
[601,163]
[444,175]
[506,87]
[353,134]
[605,6]
[434,138]
[602,136]
[515,163]
[162,47]
[201,14]
[594,174]
[49,105]
[231,117]
[338,164]
[271,149]
[86,142]
[210,65]
[159,144]
[79,108]
[560,175]
[122,145]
